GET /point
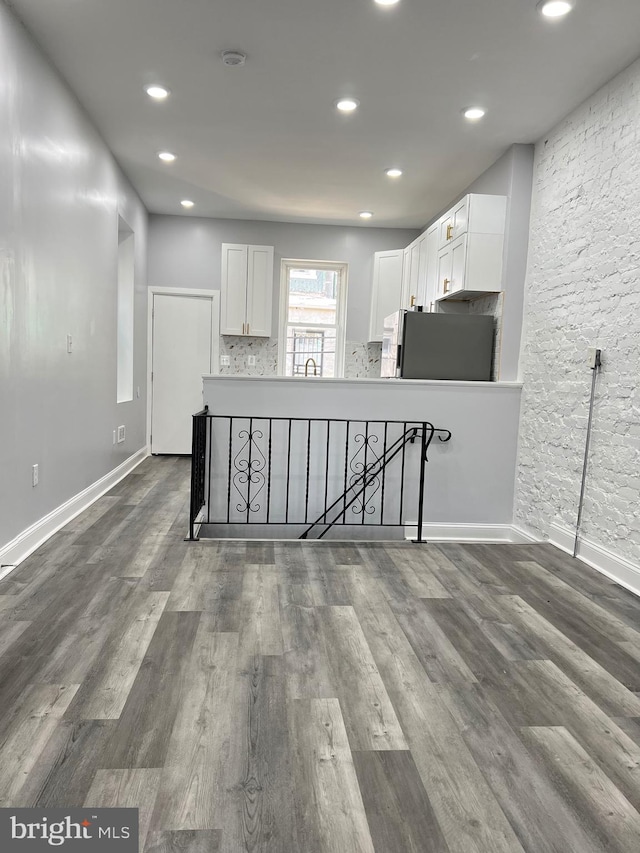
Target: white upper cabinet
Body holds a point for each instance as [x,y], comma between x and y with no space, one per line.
[414,273]
[405,298]
[458,257]
[431,268]
[259,291]
[246,290]
[471,239]
[233,289]
[387,289]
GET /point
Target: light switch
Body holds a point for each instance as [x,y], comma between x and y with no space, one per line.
[251,361]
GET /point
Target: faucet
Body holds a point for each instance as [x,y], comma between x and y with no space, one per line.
[306,367]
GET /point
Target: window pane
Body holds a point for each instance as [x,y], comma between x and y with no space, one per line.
[306,346]
[313,296]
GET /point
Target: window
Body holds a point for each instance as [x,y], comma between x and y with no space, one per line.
[125,312]
[313,297]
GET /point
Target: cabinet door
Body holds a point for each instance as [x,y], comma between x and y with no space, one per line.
[444,272]
[259,291]
[431,283]
[458,264]
[487,213]
[421,286]
[460,219]
[406,278]
[445,229]
[484,263]
[233,289]
[415,273]
[386,290]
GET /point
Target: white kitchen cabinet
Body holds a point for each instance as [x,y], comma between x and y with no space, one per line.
[470,266]
[431,268]
[445,230]
[421,285]
[405,296]
[444,272]
[387,289]
[475,213]
[414,273]
[246,290]
[471,239]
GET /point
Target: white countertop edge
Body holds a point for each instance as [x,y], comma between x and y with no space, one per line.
[388,383]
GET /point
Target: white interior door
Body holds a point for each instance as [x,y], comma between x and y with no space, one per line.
[185,333]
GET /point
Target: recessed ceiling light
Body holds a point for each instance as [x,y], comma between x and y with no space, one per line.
[393,173]
[167,156]
[365,214]
[186,202]
[233,58]
[387,2]
[555,8]
[473,113]
[158,93]
[347,105]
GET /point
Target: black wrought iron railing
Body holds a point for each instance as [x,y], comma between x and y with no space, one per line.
[310,473]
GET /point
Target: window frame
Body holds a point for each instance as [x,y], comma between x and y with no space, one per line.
[342,268]
[125,311]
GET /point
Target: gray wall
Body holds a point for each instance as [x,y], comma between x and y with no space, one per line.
[184,251]
[60,193]
[511,175]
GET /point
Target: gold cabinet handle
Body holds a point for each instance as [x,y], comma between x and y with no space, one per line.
[447,282]
[413,301]
[247,328]
[449,232]
[243,328]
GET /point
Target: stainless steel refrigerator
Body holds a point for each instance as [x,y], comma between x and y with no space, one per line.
[417,345]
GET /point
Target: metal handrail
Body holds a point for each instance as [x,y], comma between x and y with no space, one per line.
[283,470]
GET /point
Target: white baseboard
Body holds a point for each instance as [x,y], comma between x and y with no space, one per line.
[26,542]
[617,568]
[485,533]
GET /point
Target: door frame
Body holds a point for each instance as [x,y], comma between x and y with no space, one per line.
[214,295]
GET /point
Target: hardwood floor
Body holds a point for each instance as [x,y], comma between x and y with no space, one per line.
[303,697]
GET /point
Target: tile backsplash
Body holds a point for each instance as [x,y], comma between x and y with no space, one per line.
[239,348]
[491,304]
[362,361]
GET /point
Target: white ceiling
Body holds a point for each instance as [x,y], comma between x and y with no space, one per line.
[264,141]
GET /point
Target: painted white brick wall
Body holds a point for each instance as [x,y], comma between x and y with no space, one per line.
[583,289]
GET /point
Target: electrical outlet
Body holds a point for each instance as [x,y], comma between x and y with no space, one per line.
[69,343]
[225,361]
[251,361]
[35,474]
[121,434]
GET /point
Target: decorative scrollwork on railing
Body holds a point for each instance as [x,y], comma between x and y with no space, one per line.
[365,471]
[249,463]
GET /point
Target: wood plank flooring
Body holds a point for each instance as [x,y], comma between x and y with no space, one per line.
[310,697]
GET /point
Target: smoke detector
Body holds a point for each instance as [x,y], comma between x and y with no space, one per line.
[233,57]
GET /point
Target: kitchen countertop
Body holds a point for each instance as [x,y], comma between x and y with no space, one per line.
[387,383]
